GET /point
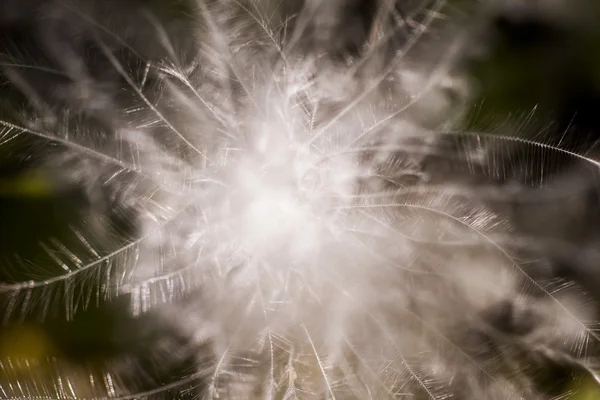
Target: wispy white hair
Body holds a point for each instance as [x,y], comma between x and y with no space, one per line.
[275,173]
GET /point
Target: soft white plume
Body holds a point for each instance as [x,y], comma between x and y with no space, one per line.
[287,218]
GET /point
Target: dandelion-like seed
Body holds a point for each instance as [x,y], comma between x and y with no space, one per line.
[285,221]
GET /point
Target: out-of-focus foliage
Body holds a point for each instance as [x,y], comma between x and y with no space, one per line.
[537,68]
[31,183]
[589,391]
[26,342]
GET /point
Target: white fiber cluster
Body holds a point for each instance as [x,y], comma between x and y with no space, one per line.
[286,222]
